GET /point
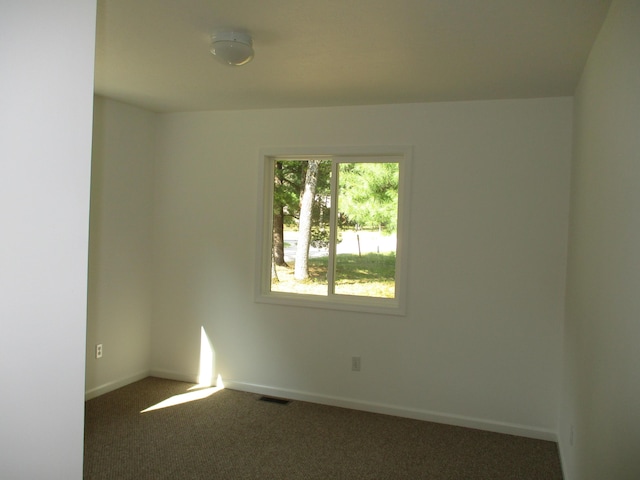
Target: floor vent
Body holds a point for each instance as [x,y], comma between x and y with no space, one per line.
[279,401]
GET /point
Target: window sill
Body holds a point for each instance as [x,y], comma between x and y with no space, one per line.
[379,306]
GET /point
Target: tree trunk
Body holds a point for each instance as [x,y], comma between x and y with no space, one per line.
[304,229]
[278,223]
[278,237]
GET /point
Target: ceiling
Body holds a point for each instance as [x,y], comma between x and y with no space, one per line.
[155,53]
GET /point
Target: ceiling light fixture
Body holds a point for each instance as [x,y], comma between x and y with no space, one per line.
[232,48]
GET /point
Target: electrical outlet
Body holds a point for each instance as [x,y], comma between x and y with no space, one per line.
[99,350]
[355,364]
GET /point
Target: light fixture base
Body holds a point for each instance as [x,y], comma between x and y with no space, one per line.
[232,48]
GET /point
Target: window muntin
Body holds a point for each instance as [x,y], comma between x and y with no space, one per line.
[357,243]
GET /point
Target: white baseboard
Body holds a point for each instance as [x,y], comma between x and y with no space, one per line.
[417,414]
[170,375]
[566,471]
[110,386]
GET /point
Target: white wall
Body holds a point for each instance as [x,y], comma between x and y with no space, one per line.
[601,397]
[119,302]
[46,96]
[481,344]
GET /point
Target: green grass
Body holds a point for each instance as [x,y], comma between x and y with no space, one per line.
[370,275]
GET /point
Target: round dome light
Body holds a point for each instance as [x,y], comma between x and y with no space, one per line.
[232,48]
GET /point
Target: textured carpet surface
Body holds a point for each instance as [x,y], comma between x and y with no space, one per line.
[234,435]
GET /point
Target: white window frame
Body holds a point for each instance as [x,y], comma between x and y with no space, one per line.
[263,294]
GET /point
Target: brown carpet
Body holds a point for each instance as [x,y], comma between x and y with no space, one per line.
[235,435]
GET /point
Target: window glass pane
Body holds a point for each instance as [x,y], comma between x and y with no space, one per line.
[367,206]
[301,226]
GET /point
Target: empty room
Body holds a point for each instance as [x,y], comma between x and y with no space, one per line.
[154,161]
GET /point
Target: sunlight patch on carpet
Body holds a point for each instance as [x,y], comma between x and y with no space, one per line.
[197,392]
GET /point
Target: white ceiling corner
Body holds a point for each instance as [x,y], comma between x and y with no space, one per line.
[155,53]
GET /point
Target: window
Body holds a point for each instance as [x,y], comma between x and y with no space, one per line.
[332,228]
